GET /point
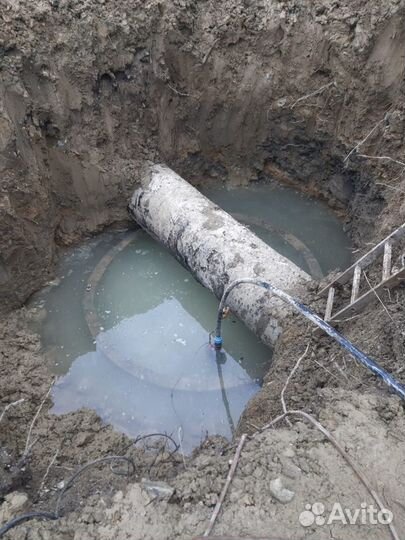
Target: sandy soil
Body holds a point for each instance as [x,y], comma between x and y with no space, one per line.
[298,459]
[237,90]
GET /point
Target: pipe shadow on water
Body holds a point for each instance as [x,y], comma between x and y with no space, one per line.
[220,359]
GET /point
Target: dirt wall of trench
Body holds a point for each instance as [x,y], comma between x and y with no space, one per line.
[90,90]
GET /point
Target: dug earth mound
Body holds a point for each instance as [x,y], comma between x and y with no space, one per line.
[310,94]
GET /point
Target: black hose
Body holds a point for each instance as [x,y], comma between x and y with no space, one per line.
[56,514]
[365,360]
[80,471]
[26,517]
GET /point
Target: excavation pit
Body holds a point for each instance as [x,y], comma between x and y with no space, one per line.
[126,327]
[306,93]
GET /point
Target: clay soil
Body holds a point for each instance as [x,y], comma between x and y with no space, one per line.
[233,91]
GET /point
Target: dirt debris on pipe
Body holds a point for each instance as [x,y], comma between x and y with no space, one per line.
[216,249]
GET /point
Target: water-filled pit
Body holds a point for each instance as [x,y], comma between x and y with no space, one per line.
[125,326]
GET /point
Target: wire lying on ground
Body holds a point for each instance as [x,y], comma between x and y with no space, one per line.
[149,436]
[56,514]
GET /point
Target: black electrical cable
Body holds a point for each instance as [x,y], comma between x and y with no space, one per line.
[56,514]
[26,517]
[72,479]
[359,355]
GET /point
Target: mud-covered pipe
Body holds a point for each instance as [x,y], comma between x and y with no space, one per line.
[216,249]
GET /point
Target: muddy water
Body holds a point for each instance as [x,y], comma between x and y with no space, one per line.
[148,366]
[303,230]
[151,368]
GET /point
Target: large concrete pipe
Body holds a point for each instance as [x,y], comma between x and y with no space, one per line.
[216,249]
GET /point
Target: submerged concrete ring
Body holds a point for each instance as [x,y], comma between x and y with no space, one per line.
[313,265]
[140,372]
[95,325]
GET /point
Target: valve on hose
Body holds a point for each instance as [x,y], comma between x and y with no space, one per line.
[218,341]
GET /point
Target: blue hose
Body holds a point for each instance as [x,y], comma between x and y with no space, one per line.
[369,363]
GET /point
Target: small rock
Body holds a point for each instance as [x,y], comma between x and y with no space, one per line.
[118,497]
[16,500]
[14,503]
[258,473]
[83,438]
[247,500]
[291,470]
[289,452]
[98,516]
[161,490]
[279,492]
[210,499]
